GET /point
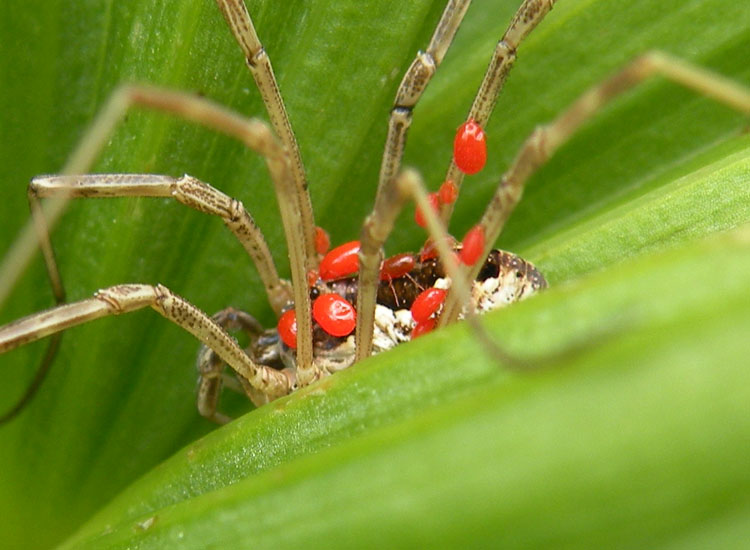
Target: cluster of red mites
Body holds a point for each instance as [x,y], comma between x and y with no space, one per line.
[337,316]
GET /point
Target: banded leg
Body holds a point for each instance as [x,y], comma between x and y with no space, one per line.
[389,199]
[412,86]
[414,188]
[409,92]
[409,186]
[375,230]
[527,17]
[547,139]
[241,24]
[211,366]
[186,190]
[253,133]
[131,297]
[256,136]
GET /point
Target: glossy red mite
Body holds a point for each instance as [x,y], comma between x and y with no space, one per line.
[334,314]
[470,147]
[340,262]
[472,245]
[426,304]
[287,328]
[397,266]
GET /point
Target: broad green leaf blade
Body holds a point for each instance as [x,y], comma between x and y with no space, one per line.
[640,435]
[707,194]
[120,396]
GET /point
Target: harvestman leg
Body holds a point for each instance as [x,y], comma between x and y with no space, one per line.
[186,190]
[424,66]
[413,84]
[131,297]
[377,227]
[18,257]
[389,200]
[545,140]
[527,17]
[259,138]
[211,366]
[241,24]
[253,133]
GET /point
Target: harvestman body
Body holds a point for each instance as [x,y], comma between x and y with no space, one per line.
[320,330]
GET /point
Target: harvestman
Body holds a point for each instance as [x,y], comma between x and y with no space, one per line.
[301,353]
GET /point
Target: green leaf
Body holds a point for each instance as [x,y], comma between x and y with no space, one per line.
[658,168]
[640,435]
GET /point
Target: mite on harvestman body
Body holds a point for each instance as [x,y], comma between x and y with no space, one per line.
[314,349]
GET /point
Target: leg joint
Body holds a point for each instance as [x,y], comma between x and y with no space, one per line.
[258,58]
[415,80]
[124,298]
[401,115]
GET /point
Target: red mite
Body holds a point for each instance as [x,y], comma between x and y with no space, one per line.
[427,303]
[473,245]
[340,262]
[470,147]
[397,266]
[434,202]
[322,240]
[287,328]
[423,328]
[448,192]
[334,314]
[429,250]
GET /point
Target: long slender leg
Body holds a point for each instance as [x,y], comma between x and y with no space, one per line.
[187,190]
[545,140]
[388,199]
[378,225]
[17,259]
[211,366]
[414,188]
[254,134]
[240,23]
[131,297]
[409,92]
[413,85]
[258,137]
[527,17]
[36,382]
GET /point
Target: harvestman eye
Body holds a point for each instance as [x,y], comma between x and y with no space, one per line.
[348,303]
